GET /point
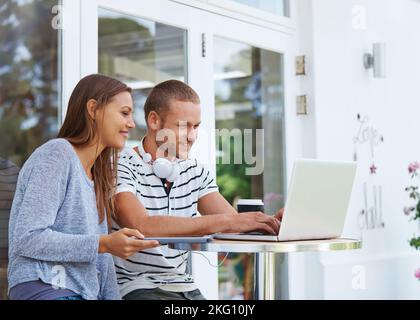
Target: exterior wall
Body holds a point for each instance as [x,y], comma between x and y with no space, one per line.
[340,89]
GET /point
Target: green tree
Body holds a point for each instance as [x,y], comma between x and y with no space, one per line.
[29,86]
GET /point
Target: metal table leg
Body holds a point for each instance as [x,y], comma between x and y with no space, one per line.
[264,277]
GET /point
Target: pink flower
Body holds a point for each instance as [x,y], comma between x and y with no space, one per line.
[373,169]
[407,210]
[412,167]
[417,274]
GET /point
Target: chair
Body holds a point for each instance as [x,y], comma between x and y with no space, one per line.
[8,178]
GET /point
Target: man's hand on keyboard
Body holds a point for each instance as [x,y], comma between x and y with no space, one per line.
[254,221]
[279,214]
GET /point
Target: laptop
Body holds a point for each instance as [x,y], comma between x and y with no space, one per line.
[316,205]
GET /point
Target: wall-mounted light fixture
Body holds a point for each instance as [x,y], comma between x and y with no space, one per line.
[376,60]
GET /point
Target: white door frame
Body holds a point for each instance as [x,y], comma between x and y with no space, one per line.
[80,58]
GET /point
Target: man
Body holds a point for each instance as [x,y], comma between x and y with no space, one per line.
[163,198]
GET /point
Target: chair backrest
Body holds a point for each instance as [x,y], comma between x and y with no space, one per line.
[8,178]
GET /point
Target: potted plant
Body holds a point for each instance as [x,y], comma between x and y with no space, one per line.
[413,212]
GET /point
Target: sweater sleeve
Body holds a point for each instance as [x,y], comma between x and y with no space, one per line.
[42,189]
[109,287]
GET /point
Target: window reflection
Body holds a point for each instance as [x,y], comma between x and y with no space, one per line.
[141,53]
[29,96]
[249,95]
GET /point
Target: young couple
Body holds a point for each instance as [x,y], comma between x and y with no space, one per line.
[72,190]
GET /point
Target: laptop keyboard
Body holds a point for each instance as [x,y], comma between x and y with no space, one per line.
[256,233]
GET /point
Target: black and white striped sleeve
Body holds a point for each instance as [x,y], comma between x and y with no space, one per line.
[207,183]
[126,181]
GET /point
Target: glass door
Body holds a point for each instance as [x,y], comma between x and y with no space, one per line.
[249,95]
[141,53]
[252,83]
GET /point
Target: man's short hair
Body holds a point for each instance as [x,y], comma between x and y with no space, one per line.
[161,96]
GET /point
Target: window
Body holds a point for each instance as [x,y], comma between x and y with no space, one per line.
[30,89]
[277,7]
[249,94]
[262,9]
[141,53]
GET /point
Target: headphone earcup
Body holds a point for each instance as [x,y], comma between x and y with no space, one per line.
[176,170]
[162,168]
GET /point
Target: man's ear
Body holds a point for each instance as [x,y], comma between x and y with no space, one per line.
[91,108]
[154,121]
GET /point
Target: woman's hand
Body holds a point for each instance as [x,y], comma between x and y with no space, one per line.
[124,243]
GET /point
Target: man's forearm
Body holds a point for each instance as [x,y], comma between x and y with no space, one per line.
[181,226]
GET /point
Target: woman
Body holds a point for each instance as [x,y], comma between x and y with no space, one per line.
[58,242]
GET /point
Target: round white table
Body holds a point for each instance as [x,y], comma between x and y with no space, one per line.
[265,255]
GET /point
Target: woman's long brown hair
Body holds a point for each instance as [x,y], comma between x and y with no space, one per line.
[80,130]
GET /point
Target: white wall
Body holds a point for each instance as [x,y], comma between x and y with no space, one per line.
[341,88]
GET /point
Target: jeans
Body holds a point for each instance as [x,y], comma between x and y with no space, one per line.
[71,298]
[159,294]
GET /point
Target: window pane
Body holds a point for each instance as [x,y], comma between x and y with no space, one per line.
[30,90]
[142,53]
[278,7]
[249,97]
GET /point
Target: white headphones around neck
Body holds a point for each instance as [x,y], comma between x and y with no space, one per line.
[162,168]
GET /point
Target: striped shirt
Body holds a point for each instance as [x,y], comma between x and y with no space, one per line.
[160,267]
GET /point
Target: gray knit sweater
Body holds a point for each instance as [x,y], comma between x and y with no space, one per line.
[54,230]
